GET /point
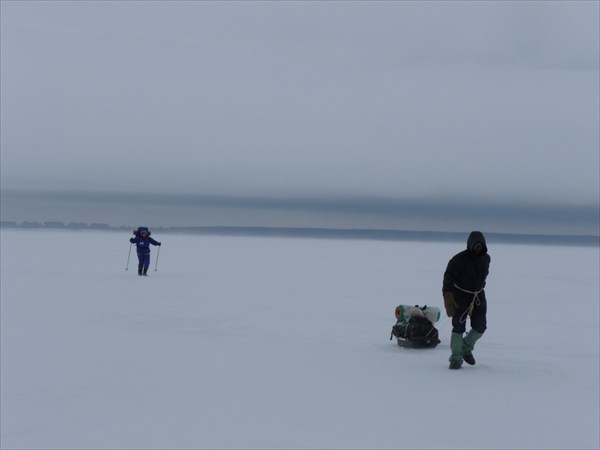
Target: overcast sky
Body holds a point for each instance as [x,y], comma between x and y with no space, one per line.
[490,101]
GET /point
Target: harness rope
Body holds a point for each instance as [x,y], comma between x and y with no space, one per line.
[475,302]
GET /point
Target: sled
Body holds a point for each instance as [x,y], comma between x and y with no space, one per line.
[414,327]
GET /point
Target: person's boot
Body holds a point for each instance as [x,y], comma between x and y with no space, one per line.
[145,272]
[468,345]
[469,359]
[456,345]
[140,272]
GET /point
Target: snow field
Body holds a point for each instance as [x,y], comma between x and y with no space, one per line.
[284,343]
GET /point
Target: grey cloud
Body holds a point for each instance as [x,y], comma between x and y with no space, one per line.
[495,100]
[341,212]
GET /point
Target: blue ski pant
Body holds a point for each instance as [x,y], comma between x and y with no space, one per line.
[143,261]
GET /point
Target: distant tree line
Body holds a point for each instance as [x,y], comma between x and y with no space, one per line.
[59,225]
[326,233]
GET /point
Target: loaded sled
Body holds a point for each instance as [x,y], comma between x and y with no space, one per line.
[414,326]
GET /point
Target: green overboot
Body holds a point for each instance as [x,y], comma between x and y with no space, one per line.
[468,345]
[456,346]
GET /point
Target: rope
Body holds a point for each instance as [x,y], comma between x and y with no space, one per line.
[475,302]
[444,323]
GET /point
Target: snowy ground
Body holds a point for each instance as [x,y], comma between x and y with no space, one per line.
[284,343]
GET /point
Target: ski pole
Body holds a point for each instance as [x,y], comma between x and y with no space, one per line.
[156,263]
[128,256]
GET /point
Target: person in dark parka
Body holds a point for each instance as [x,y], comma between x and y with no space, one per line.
[464,297]
[142,241]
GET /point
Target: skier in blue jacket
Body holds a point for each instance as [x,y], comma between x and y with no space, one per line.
[142,240]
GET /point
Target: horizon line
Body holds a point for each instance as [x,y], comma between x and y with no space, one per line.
[323,233]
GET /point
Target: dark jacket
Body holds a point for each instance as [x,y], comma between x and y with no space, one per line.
[467,271]
[143,245]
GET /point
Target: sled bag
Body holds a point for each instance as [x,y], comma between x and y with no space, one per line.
[417,332]
[406,312]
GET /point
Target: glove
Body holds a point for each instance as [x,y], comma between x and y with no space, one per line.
[159,244]
[450,303]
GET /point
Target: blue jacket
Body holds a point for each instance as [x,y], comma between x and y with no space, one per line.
[143,244]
